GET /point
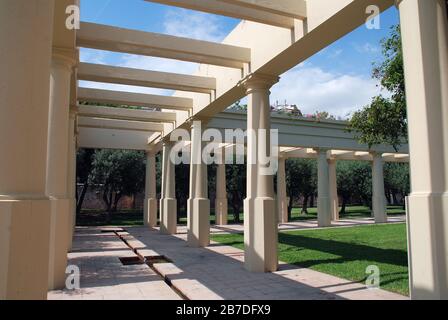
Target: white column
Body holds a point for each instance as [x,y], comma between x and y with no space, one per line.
[71,181]
[198,203]
[323,190]
[260,219]
[425,49]
[168,202]
[150,204]
[282,199]
[334,205]
[57,165]
[221,206]
[378,192]
[25,210]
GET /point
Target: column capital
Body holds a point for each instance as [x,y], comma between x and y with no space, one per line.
[376,154]
[66,57]
[321,150]
[258,82]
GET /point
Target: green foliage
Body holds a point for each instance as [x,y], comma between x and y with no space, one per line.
[354,182]
[236,188]
[385,120]
[301,180]
[397,178]
[118,173]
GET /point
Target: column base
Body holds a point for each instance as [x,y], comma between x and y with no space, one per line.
[260,235]
[59,235]
[24,249]
[168,223]
[379,210]
[221,211]
[428,246]
[323,212]
[199,222]
[283,210]
[335,210]
[150,213]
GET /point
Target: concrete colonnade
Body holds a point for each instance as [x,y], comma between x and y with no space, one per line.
[168,202]
[198,205]
[221,203]
[58,170]
[25,208]
[150,202]
[424,30]
[260,219]
[282,199]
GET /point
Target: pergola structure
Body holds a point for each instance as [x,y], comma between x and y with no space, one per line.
[41,118]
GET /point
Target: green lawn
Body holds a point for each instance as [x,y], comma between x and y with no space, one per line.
[135,217]
[345,252]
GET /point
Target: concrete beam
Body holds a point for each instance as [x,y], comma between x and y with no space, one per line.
[126,114]
[134,99]
[102,37]
[289,8]
[144,78]
[232,10]
[104,123]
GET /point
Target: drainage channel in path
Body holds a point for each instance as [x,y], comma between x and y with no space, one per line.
[148,260]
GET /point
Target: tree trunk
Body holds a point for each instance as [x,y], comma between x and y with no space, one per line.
[291,203]
[80,199]
[305,204]
[312,201]
[343,206]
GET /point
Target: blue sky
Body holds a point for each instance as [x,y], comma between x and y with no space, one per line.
[338,79]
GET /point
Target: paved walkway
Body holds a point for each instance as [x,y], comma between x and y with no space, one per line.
[216,272]
[103,277]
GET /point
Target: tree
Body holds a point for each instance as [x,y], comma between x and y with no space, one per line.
[84,160]
[354,183]
[301,180]
[397,180]
[118,173]
[236,188]
[385,119]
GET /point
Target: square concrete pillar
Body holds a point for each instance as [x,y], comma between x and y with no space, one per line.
[198,203]
[260,206]
[323,186]
[168,202]
[26,30]
[424,30]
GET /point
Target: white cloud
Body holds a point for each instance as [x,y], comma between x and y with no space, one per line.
[312,89]
[366,48]
[193,25]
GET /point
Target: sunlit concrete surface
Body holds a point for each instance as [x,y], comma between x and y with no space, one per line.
[213,273]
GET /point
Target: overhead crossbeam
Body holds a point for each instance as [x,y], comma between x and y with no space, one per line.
[134,99]
[104,123]
[145,78]
[102,37]
[126,114]
[290,8]
[232,10]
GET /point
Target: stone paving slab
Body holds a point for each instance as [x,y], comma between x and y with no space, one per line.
[213,273]
[104,277]
[217,272]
